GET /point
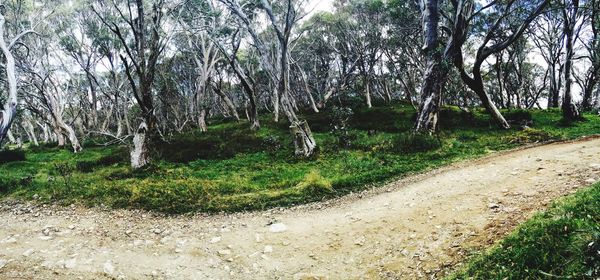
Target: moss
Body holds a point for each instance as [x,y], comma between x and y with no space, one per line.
[314,184]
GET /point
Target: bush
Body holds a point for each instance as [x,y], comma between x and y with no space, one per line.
[454,116]
[416,142]
[214,144]
[11,156]
[271,144]
[313,183]
[531,135]
[518,117]
[340,119]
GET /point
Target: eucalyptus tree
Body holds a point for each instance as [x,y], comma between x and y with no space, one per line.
[572,14]
[547,35]
[9,109]
[282,20]
[143,39]
[502,26]
[589,80]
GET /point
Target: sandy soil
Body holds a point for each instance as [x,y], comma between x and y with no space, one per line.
[416,228]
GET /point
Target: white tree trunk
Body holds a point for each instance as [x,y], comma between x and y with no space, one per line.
[140,155]
[10,108]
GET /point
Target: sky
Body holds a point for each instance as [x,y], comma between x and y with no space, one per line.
[320,5]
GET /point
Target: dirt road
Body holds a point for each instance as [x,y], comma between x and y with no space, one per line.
[415,228]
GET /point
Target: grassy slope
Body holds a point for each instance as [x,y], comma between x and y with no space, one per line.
[231,168]
[552,245]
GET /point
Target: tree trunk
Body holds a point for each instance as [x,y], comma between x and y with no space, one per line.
[202,120]
[228,103]
[435,74]
[140,155]
[569,111]
[368,92]
[10,108]
[476,85]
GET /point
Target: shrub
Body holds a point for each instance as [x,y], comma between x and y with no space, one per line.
[416,142]
[271,144]
[11,156]
[340,119]
[531,135]
[454,116]
[313,183]
[214,144]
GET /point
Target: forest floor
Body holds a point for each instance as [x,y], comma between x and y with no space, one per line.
[421,226]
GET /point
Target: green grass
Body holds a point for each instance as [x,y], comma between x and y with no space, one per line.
[561,243]
[232,168]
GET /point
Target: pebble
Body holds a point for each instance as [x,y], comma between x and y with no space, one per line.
[268,249]
[70,263]
[28,252]
[278,227]
[215,239]
[224,252]
[109,268]
[3,263]
[590,181]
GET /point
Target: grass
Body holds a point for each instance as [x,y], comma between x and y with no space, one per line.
[231,168]
[560,243]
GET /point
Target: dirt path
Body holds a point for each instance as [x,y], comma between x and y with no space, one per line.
[414,228]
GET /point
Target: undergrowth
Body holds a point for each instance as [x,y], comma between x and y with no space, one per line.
[231,168]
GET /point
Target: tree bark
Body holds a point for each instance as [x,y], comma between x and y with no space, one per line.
[435,74]
[569,110]
[140,155]
[9,111]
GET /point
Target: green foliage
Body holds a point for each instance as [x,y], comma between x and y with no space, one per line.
[557,242]
[517,116]
[416,142]
[231,168]
[340,118]
[453,116]
[531,135]
[11,156]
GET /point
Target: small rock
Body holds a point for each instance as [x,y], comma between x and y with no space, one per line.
[215,239]
[493,206]
[268,249]
[70,263]
[590,181]
[224,252]
[72,227]
[278,227]
[360,241]
[28,252]
[109,268]
[3,263]
[157,231]
[9,240]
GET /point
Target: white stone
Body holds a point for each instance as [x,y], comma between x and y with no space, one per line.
[108,268]
[268,249]
[278,227]
[215,239]
[28,252]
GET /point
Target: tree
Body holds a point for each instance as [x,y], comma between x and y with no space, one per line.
[9,110]
[280,70]
[143,43]
[571,14]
